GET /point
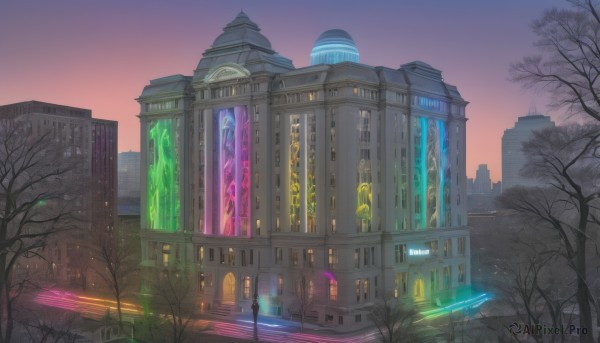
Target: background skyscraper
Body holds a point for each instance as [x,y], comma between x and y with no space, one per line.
[482,183]
[513,159]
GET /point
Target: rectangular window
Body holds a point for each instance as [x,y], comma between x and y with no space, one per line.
[231,257]
[447,277]
[332,258]
[310,256]
[333,226]
[358,318]
[333,294]
[246,292]
[433,247]
[366,257]
[366,290]
[200,254]
[372,256]
[221,256]
[166,250]
[211,254]
[279,284]
[153,250]
[243,252]
[294,257]
[400,253]
[462,273]
[278,255]
[357,290]
[376,287]
[200,282]
[448,248]
[357,258]
[251,256]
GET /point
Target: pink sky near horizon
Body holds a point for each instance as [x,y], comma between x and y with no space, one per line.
[100,54]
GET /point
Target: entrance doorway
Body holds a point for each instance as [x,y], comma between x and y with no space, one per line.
[229,289]
[419,289]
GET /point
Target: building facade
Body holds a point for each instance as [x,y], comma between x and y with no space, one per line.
[513,159]
[95,141]
[345,180]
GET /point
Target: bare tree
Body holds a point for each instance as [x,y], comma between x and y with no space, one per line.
[304,296]
[567,159]
[115,265]
[173,291]
[394,321]
[569,61]
[37,200]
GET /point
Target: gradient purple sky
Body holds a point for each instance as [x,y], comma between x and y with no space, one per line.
[100,54]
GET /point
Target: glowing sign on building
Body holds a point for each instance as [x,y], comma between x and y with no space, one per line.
[418,252]
[162,197]
[231,166]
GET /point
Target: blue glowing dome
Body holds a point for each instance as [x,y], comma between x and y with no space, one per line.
[334,46]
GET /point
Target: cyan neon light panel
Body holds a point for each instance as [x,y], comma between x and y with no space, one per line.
[231,165]
[431,174]
[162,200]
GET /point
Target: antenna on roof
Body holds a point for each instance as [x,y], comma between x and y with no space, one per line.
[532,109]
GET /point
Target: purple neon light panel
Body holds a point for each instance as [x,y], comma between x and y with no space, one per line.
[232,167]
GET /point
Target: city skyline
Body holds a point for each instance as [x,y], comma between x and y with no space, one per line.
[100,55]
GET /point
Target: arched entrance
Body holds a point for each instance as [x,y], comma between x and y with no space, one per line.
[228,289]
[419,289]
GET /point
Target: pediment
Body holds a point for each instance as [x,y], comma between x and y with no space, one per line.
[226,72]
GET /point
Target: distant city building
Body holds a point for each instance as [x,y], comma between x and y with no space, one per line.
[513,158]
[482,183]
[129,183]
[254,172]
[129,174]
[470,185]
[96,141]
[497,188]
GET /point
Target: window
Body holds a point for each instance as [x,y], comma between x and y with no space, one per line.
[278,255]
[166,250]
[366,257]
[231,257]
[211,254]
[256,136]
[373,256]
[433,247]
[332,258]
[401,284]
[462,241]
[251,256]
[246,292]
[357,290]
[357,258]
[258,226]
[366,290]
[294,257]
[221,256]
[376,288]
[341,320]
[447,277]
[310,255]
[332,180]
[400,253]
[200,254]
[333,294]
[358,318]
[200,282]
[333,227]
[448,248]
[243,252]
[461,273]
[279,284]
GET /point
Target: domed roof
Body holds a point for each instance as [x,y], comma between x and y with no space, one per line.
[334,46]
[242,30]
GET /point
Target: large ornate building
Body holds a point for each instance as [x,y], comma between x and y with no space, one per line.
[347,176]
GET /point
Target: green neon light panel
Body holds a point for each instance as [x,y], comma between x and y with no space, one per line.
[162,199]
